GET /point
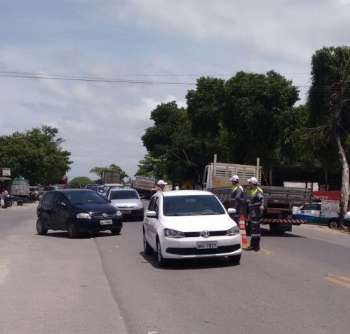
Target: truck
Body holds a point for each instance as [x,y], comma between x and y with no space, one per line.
[111,177]
[278,201]
[146,186]
[20,187]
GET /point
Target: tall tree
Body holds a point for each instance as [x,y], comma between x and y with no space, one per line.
[170,144]
[329,100]
[257,110]
[36,154]
[80,181]
[112,167]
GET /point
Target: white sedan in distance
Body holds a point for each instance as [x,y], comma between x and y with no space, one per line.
[190,224]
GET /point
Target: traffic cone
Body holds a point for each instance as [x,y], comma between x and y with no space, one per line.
[245,243]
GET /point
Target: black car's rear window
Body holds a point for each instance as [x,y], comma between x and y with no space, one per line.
[83,197]
[124,194]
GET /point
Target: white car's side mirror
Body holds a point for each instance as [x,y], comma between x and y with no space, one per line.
[231,211]
[151,214]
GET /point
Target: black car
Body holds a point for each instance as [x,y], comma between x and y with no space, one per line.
[77,210]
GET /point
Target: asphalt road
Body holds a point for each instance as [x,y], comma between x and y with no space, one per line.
[299,283]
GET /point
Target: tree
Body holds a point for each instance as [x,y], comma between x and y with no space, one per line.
[257,110]
[329,101]
[112,167]
[170,145]
[80,181]
[36,154]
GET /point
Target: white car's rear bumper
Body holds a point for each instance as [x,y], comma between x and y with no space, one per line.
[186,248]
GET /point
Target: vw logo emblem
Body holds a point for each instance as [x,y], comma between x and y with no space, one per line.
[104,215]
[205,234]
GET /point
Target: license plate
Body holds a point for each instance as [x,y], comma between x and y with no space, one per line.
[106,222]
[207,244]
[127,212]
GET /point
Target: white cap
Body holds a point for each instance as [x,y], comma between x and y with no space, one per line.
[161,183]
[253,180]
[234,178]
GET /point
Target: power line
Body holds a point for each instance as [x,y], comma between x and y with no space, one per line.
[100,79]
[39,76]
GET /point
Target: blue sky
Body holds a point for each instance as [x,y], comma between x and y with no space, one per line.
[154,39]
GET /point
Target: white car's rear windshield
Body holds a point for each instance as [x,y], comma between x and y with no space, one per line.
[193,205]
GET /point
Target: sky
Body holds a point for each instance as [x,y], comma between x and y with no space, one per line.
[145,40]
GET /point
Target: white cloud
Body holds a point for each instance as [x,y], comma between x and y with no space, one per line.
[287,28]
[101,123]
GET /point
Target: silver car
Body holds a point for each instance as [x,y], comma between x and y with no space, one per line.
[128,202]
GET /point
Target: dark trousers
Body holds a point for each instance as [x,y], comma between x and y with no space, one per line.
[255,234]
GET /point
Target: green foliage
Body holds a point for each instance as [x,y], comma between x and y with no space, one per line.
[257,110]
[329,66]
[150,167]
[170,145]
[112,167]
[36,155]
[79,182]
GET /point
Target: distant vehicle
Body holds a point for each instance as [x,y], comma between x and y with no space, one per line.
[20,187]
[322,213]
[186,224]
[34,193]
[96,187]
[128,202]
[76,211]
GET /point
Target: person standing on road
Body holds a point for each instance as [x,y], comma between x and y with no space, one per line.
[237,196]
[255,206]
[161,185]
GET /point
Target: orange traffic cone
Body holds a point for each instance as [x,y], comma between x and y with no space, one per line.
[245,243]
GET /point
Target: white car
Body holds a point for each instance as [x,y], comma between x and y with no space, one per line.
[190,224]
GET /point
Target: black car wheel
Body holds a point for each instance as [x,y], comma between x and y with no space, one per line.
[147,249]
[41,228]
[160,259]
[234,259]
[72,230]
[116,231]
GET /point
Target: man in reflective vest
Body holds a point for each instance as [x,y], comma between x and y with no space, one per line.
[255,206]
[237,196]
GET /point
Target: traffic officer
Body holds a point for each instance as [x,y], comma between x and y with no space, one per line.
[237,196]
[255,206]
[161,184]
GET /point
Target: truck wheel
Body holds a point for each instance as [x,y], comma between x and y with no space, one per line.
[333,224]
[275,229]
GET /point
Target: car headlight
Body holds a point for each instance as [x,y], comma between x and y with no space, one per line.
[83,215]
[233,231]
[168,232]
